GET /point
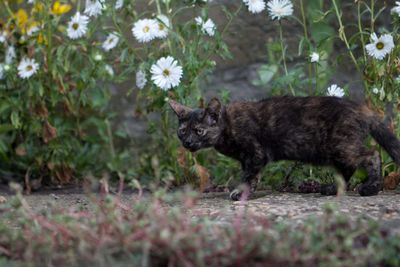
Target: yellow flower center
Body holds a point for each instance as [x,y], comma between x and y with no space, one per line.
[29,67]
[146,29]
[75,26]
[166,73]
[380,45]
[161,26]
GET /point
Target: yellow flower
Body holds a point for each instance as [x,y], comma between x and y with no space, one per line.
[37,8]
[59,9]
[21,18]
[41,39]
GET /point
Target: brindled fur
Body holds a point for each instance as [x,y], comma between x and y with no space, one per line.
[316,130]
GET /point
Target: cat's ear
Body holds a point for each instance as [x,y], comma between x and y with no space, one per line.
[214,108]
[180,110]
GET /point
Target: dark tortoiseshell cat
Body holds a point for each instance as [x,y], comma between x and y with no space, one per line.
[317,130]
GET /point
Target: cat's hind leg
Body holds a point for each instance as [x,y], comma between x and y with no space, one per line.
[346,170]
[371,162]
[366,159]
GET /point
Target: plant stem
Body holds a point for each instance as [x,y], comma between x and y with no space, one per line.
[128,43]
[170,27]
[110,139]
[372,16]
[158,7]
[342,35]
[10,12]
[226,27]
[316,78]
[284,56]
[304,24]
[361,30]
[49,36]
[304,19]
[159,12]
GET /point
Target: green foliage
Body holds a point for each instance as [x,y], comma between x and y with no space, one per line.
[56,125]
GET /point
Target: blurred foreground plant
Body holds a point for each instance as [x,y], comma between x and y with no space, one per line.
[165,230]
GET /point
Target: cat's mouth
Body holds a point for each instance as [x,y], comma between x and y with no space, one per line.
[193,148]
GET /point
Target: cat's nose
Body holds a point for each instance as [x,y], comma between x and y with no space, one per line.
[186,144]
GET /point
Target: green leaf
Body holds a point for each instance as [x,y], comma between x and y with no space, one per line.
[361,174]
[4,105]
[322,33]
[266,73]
[6,128]
[301,46]
[15,120]
[41,91]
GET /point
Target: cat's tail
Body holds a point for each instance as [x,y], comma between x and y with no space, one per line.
[381,133]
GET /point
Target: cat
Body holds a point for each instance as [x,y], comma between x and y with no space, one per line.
[317,130]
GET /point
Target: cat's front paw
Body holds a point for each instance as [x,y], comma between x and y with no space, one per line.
[241,193]
[328,190]
[236,195]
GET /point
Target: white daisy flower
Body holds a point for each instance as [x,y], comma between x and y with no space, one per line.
[375,90]
[111,41]
[10,54]
[255,6]
[119,4]
[380,47]
[162,26]
[396,9]
[141,80]
[77,26]
[335,90]
[144,30]
[27,67]
[109,70]
[207,27]
[3,36]
[1,71]
[314,57]
[280,8]
[94,7]
[166,73]
[31,1]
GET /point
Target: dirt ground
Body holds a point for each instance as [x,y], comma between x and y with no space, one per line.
[295,208]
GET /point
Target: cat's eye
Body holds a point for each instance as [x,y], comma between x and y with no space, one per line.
[181,131]
[200,132]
